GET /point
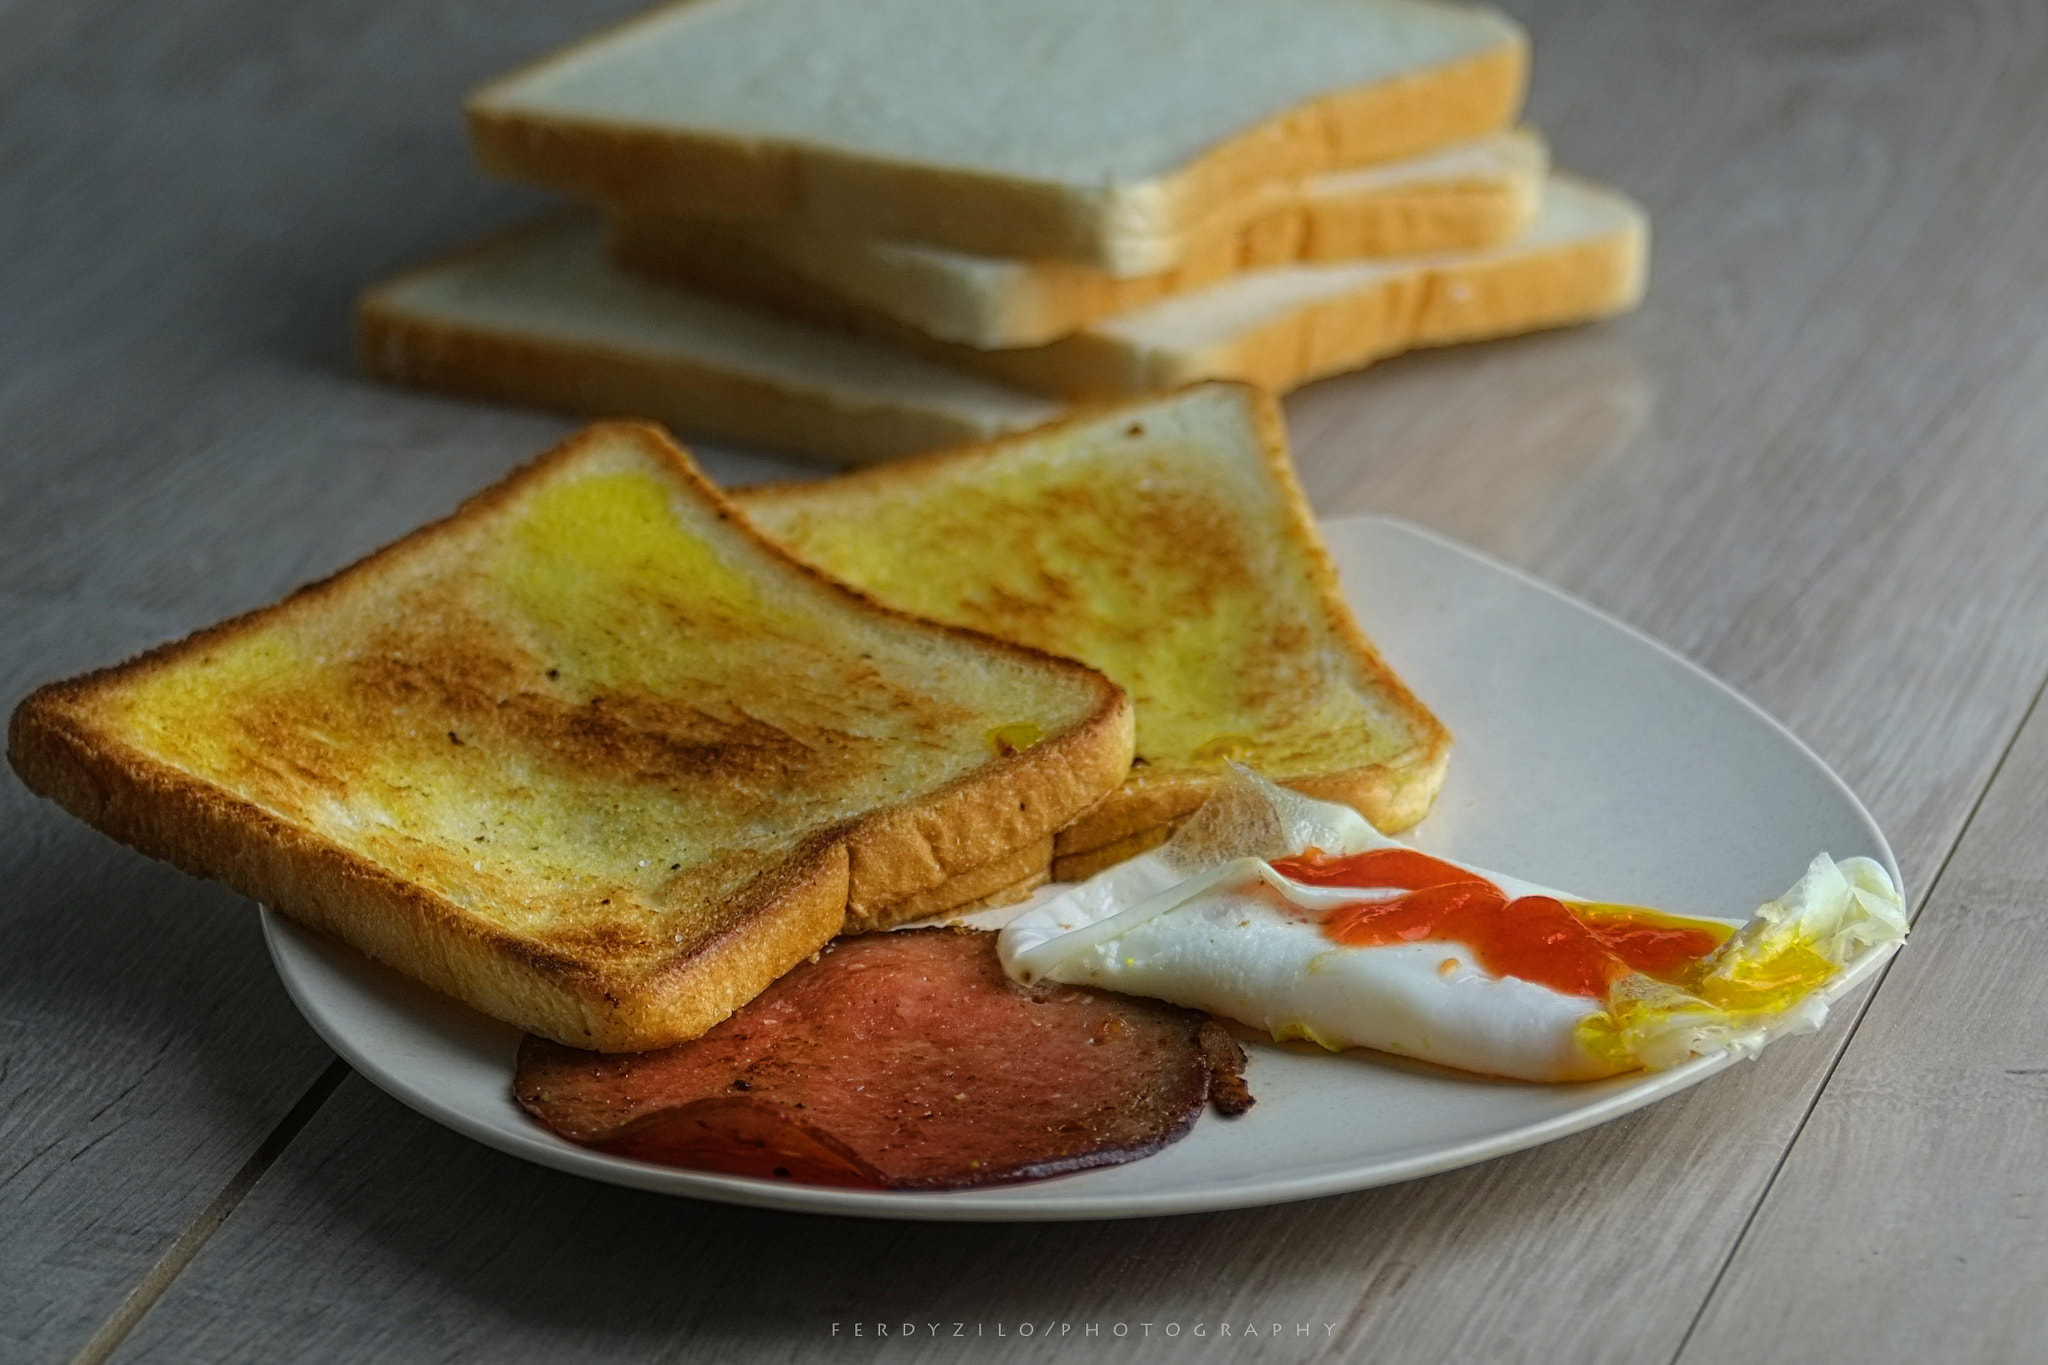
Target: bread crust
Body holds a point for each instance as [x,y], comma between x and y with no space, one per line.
[1484,299]
[65,748]
[1394,795]
[209,833]
[1439,302]
[1079,867]
[1055,298]
[1000,881]
[702,174]
[591,380]
[1018,890]
[1392,799]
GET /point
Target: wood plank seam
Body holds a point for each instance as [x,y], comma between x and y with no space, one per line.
[167,1267]
[1386,1282]
[1813,1102]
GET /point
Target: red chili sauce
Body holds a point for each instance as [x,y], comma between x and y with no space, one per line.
[1536,938]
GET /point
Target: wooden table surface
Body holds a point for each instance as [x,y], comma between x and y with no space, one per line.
[1813,462]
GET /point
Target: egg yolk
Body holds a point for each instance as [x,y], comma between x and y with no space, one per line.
[1575,949]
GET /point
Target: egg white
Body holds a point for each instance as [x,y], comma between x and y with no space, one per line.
[1198,923]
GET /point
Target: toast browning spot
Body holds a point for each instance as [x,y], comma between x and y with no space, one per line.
[1167,544]
[589,754]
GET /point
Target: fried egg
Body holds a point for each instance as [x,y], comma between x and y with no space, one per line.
[1246,913]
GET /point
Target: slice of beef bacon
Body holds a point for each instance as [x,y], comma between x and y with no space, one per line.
[903,1061]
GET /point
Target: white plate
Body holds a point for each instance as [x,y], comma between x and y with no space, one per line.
[1587,756]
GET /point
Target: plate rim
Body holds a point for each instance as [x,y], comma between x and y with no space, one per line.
[283,938]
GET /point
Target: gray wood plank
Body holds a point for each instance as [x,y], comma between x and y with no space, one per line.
[1907,1224]
[185,208]
[380,1235]
[1809,462]
[145,1046]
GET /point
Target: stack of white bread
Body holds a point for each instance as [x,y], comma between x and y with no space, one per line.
[855,229]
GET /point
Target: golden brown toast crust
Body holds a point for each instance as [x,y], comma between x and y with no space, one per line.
[586,990]
[200,829]
[1010,877]
[1393,795]
[1404,795]
[1079,867]
[1001,896]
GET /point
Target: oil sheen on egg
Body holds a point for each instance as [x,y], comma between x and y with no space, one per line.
[1208,922]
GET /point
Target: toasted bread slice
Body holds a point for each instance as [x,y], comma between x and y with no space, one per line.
[537,315]
[1000,881]
[995,900]
[1067,128]
[1461,198]
[590,754]
[1079,864]
[1167,544]
[1584,258]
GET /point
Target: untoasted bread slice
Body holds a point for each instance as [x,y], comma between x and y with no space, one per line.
[1166,543]
[1461,198]
[1067,128]
[538,316]
[590,754]
[1584,258]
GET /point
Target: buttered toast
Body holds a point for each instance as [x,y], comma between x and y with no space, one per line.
[589,754]
[1166,543]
